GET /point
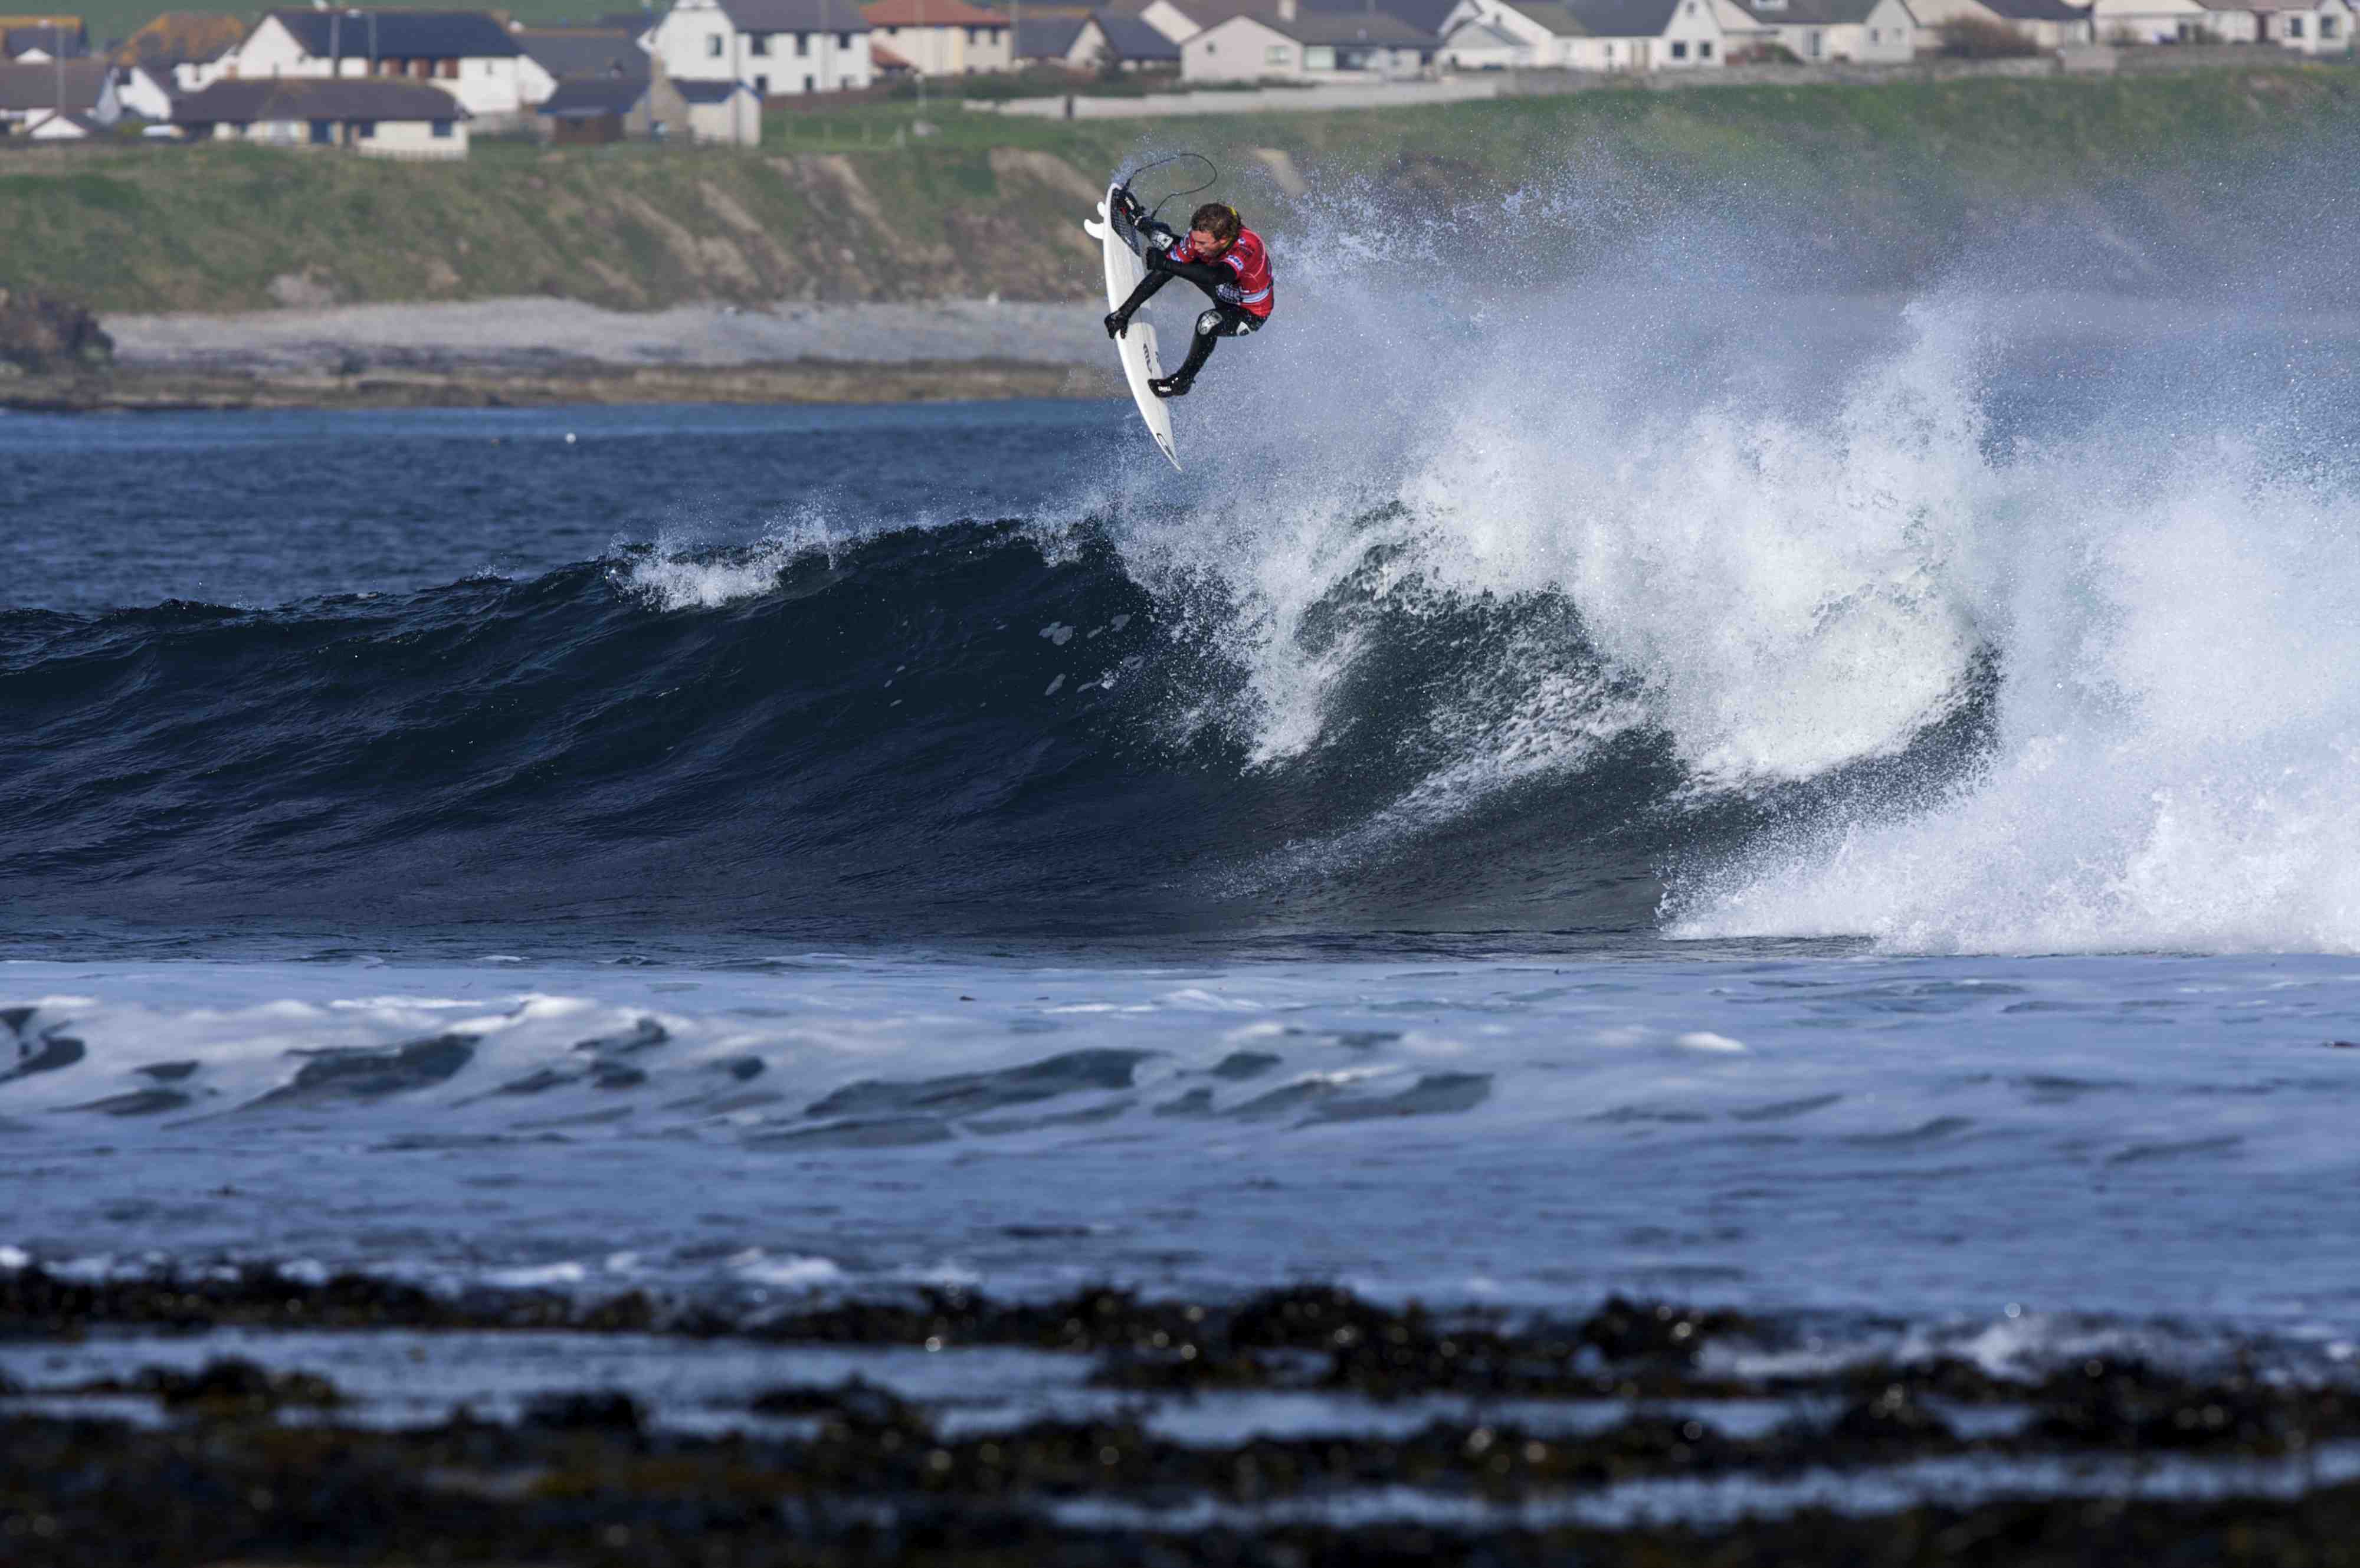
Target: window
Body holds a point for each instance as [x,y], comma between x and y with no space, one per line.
[844,40]
[1278,54]
[2294,27]
[443,129]
[975,35]
[810,84]
[761,87]
[1704,50]
[803,45]
[1814,43]
[364,130]
[758,43]
[449,72]
[323,132]
[1610,54]
[2327,26]
[712,47]
[1680,50]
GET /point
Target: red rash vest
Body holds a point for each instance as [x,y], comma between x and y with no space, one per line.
[1248,287]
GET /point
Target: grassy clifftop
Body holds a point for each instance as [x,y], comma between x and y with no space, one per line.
[830,210]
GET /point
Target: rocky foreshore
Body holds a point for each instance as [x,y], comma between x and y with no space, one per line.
[266,1415]
[539,351]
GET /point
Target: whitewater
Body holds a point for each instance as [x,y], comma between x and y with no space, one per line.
[1658,783]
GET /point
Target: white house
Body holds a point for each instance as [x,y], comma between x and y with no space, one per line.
[942,38]
[84,87]
[468,54]
[51,126]
[729,113]
[1603,35]
[1181,20]
[2153,21]
[184,52]
[776,48]
[378,118]
[1880,31]
[1293,45]
[2307,27]
[145,89]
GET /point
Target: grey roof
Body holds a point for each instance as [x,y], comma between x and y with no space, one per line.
[592,98]
[708,92]
[35,86]
[244,100]
[1612,18]
[1356,28]
[1557,18]
[55,42]
[1427,15]
[1483,34]
[1044,38]
[400,35]
[569,56]
[796,15]
[2038,10]
[1047,38]
[1809,13]
[1131,39]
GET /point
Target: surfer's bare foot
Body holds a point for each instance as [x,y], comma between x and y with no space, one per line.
[1168,387]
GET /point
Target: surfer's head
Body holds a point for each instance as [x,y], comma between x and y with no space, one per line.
[1214,228]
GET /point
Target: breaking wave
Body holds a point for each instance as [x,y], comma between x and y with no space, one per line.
[1987,622]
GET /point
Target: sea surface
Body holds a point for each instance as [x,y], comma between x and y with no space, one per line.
[1847,816]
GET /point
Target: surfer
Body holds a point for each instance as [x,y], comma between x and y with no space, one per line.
[1218,254]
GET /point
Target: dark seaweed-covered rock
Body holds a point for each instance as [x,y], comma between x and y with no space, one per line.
[43,335]
[606,1410]
[1657,1331]
[232,1387]
[371,1075]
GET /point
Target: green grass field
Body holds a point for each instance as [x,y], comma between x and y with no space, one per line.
[831,208]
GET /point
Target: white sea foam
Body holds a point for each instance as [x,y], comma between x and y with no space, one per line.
[1786,552]
[677,574]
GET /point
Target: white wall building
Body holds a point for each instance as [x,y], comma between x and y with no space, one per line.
[1293,45]
[776,48]
[2152,21]
[145,91]
[942,38]
[1601,35]
[1824,31]
[468,54]
[376,118]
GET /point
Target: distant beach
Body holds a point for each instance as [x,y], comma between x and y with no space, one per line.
[537,351]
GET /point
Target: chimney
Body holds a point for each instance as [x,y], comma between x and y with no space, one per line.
[1286,10]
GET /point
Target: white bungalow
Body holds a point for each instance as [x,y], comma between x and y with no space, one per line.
[53,126]
[1294,45]
[376,118]
[2154,22]
[1882,32]
[1601,35]
[942,38]
[145,89]
[468,54]
[775,47]
[2306,26]
[84,87]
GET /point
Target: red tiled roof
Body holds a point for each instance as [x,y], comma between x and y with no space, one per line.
[930,14]
[887,60]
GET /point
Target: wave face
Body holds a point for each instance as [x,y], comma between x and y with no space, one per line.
[1987,622]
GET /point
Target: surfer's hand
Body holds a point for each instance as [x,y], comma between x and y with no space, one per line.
[1128,205]
[1117,324]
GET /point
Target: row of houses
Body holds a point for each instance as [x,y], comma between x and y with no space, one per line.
[1233,40]
[413,83]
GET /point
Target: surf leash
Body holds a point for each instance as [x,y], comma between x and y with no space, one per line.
[1212,177]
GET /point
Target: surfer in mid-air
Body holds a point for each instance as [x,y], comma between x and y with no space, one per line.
[1218,254]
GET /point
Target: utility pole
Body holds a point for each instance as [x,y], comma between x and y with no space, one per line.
[58,55]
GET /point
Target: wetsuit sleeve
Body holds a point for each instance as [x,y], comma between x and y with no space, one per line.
[1203,274]
[1146,289]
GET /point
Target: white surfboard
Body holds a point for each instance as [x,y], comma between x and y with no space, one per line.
[1136,346]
